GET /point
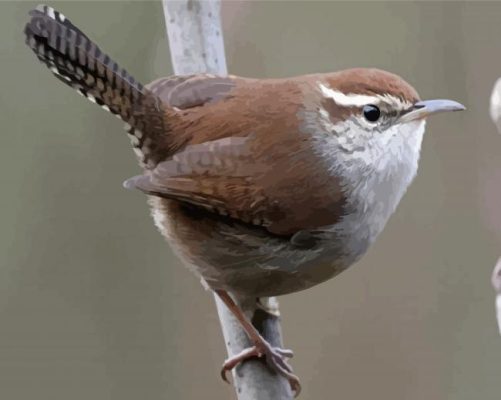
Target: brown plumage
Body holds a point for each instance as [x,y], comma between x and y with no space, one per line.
[239,178]
[224,168]
[264,187]
[213,143]
[230,181]
[231,147]
[372,81]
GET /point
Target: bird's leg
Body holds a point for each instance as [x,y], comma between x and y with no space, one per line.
[275,357]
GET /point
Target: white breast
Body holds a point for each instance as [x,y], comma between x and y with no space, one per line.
[376,171]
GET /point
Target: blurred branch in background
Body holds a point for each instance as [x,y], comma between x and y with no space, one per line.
[495,111]
[196,46]
[495,105]
[496,282]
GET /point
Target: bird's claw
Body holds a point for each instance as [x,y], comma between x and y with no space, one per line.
[275,358]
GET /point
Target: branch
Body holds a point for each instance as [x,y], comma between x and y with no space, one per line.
[196,46]
[495,111]
[496,282]
[495,105]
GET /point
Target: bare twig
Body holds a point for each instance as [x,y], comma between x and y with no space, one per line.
[495,105]
[196,46]
[495,112]
[496,282]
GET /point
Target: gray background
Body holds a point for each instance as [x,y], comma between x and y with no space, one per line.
[93,304]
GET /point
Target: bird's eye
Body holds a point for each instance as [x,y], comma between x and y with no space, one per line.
[371,113]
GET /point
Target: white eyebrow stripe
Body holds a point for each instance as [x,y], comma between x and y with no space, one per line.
[350,99]
[359,100]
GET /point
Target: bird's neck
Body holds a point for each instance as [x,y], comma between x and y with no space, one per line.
[375,178]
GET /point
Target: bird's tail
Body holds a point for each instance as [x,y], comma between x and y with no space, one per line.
[78,62]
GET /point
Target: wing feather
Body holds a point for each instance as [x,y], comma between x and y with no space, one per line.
[246,158]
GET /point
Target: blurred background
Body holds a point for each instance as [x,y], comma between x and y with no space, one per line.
[93,303]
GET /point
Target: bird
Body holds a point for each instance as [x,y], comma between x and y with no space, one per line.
[263,187]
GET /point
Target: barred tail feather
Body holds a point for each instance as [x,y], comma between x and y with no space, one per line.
[78,62]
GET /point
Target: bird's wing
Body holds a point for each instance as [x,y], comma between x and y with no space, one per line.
[187,91]
[224,177]
[246,157]
[181,93]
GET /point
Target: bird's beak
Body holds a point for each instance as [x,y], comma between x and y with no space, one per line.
[424,108]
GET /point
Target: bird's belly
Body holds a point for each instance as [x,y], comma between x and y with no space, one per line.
[242,259]
[273,279]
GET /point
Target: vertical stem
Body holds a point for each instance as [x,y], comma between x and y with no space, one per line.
[496,283]
[495,111]
[196,46]
[195,36]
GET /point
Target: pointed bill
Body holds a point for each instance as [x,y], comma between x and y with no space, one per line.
[423,109]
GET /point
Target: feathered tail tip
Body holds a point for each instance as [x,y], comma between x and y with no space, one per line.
[79,62]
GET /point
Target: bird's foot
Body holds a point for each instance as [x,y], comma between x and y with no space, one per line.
[276,358]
